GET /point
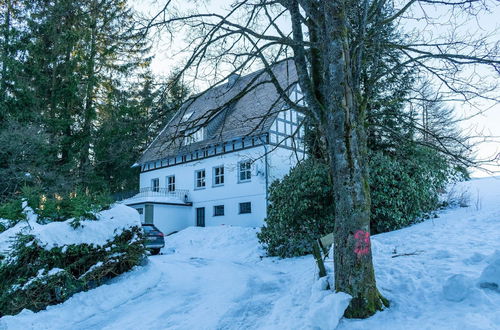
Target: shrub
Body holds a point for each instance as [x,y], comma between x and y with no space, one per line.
[46,265]
[406,187]
[33,277]
[78,204]
[11,212]
[300,210]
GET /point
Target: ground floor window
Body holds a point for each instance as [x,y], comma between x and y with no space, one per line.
[218,210]
[245,207]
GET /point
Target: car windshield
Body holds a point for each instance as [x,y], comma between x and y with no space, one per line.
[148,229]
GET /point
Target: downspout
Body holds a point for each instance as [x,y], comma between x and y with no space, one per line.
[266,164]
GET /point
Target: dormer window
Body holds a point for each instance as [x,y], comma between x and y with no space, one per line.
[194,135]
[186,116]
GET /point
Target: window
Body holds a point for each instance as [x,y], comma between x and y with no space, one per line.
[194,135]
[155,184]
[200,179]
[245,207]
[218,210]
[244,171]
[218,176]
[171,183]
[140,210]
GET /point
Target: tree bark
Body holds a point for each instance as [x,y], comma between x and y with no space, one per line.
[344,129]
[5,56]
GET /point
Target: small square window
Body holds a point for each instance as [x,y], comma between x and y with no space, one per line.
[244,171]
[218,210]
[171,183]
[155,184]
[218,176]
[245,207]
[200,179]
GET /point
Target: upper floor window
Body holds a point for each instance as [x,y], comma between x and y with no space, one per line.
[244,171]
[171,183]
[218,176]
[218,210]
[155,184]
[194,135]
[200,179]
[245,207]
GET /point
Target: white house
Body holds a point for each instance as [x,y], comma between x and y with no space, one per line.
[213,163]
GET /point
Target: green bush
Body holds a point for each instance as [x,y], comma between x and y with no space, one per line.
[12,213]
[78,205]
[406,187]
[300,210]
[33,277]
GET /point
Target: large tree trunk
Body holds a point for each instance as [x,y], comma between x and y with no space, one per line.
[5,56]
[344,129]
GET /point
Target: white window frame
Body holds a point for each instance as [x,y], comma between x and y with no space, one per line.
[218,176]
[170,185]
[199,181]
[248,170]
[155,187]
[239,208]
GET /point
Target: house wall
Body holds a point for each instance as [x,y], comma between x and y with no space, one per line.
[169,218]
[233,192]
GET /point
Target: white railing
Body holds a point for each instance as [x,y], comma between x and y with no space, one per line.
[181,194]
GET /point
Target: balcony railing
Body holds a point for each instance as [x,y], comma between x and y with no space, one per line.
[180,194]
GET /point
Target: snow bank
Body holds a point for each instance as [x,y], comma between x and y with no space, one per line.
[109,223]
[214,278]
[457,287]
[221,242]
[326,308]
[490,277]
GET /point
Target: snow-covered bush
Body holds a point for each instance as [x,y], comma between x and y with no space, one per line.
[44,264]
[300,210]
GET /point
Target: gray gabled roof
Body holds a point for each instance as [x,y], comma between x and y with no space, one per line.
[245,107]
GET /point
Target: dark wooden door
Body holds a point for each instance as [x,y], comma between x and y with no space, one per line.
[148,213]
[200,216]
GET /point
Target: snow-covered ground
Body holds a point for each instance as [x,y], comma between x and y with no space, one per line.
[214,278]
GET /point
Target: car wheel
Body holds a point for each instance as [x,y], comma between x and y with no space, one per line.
[155,251]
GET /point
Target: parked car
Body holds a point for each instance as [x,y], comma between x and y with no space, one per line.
[154,238]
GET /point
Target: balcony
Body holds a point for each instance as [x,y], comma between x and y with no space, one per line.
[154,193]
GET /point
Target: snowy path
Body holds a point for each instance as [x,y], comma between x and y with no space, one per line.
[210,278]
[213,278]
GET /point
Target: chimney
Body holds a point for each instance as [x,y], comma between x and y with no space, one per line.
[232,78]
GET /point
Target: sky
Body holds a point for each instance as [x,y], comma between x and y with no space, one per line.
[167,56]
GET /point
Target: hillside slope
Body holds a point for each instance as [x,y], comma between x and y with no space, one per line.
[214,278]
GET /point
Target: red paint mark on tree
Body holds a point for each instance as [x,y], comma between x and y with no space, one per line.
[362,245]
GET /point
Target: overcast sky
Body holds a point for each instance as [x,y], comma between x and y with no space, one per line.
[488,123]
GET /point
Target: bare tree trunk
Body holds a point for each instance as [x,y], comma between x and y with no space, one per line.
[89,98]
[5,55]
[344,128]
